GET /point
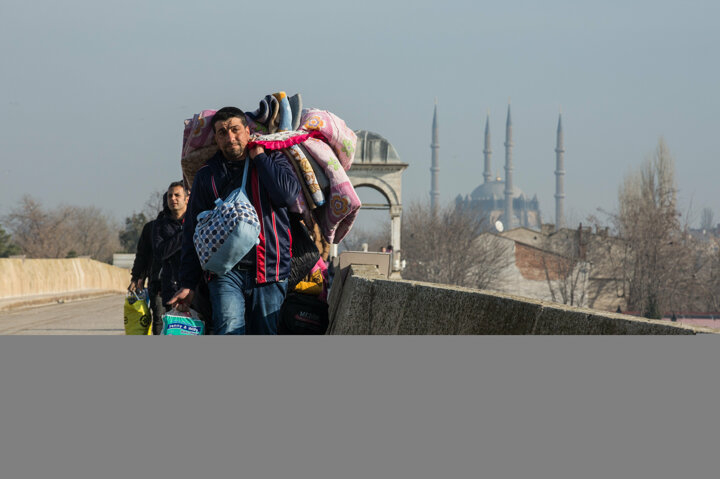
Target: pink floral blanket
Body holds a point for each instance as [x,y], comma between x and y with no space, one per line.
[323,135]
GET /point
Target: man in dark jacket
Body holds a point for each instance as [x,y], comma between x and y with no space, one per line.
[147,266]
[247,299]
[167,240]
[143,260]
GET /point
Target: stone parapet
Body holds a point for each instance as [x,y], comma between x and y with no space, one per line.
[32,277]
[367,303]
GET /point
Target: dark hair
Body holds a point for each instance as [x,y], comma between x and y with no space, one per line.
[177,183]
[227,112]
[164,202]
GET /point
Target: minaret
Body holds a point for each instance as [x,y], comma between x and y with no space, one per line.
[487,174]
[508,172]
[559,178]
[435,168]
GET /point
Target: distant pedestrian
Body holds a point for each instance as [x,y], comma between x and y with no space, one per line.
[146,268]
[167,241]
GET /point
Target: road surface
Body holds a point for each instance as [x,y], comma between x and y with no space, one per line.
[100,315]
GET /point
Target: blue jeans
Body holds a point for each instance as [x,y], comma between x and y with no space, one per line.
[241,306]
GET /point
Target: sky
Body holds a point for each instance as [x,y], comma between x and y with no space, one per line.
[94,93]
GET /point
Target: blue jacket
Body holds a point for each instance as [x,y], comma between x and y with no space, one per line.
[271,188]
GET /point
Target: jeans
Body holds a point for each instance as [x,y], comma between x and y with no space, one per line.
[241,306]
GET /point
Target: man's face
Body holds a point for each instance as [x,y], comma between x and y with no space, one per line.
[232,137]
[177,200]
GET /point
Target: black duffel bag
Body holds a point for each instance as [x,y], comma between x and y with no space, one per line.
[303,314]
[304,252]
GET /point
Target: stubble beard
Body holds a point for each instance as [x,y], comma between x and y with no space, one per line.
[178,211]
[233,154]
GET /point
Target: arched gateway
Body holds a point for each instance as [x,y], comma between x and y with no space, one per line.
[378,166]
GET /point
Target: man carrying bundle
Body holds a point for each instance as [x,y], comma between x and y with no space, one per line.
[247,299]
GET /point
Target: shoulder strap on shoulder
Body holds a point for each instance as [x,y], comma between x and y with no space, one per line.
[218,170]
[235,182]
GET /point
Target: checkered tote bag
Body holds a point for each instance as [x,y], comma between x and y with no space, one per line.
[226,233]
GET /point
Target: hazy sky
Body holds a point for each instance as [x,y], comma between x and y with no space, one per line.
[94,93]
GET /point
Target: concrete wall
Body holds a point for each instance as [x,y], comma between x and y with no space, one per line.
[124,260]
[29,277]
[363,302]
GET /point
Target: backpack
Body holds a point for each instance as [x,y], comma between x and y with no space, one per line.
[228,232]
[303,314]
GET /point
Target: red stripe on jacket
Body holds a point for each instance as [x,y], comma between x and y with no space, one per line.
[290,238]
[260,249]
[212,178]
[277,249]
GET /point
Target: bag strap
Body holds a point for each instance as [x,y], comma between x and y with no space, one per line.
[230,186]
[245,173]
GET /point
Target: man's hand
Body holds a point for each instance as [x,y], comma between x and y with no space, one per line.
[182,299]
[136,285]
[256,150]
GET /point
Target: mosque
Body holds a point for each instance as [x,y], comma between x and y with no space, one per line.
[504,204]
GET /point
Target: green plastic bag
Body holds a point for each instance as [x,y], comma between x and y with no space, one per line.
[176,323]
[137,315]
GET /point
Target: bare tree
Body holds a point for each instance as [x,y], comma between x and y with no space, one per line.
[490,258]
[92,233]
[153,205]
[567,269]
[710,290]
[61,232]
[657,271]
[39,234]
[446,247]
[375,239]
[706,219]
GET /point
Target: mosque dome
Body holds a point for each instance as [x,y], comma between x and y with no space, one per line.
[494,190]
[373,148]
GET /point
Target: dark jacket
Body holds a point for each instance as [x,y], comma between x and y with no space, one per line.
[143,254]
[271,188]
[167,246]
[146,265]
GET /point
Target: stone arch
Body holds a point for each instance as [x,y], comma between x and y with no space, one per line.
[377,165]
[383,187]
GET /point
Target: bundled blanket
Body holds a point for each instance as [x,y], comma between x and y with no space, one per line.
[198,145]
[318,144]
[341,138]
